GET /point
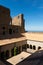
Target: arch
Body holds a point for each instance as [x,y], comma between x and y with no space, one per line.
[19,49]
[39,47]
[34,47]
[7,54]
[16,30]
[2,55]
[30,46]
[27,45]
[12,52]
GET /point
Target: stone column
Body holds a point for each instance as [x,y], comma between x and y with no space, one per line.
[36,47]
[9,53]
[21,48]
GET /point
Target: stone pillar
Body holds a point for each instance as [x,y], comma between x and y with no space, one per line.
[21,48]
[26,46]
[9,53]
[36,47]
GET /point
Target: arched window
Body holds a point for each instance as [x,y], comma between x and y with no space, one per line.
[39,47]
[27,45]
[16,30]
[34,47]
[10,31]
[18,16]
[30,46]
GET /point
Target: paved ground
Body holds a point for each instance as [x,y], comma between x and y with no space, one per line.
[31,50]
[1,63]
[18,58]
[34,59]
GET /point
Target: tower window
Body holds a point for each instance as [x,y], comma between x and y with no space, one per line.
[3,32]
[16,30]
[3,27]
[10,31]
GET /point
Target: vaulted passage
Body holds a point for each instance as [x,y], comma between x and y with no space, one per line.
[2,55]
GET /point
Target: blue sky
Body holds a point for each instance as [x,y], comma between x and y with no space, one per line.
[32,10]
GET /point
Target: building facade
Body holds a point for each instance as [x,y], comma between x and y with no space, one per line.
[5,20]
[12,42]
[19,21]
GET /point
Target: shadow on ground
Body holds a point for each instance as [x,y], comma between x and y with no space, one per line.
[4,62]
[34,59]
